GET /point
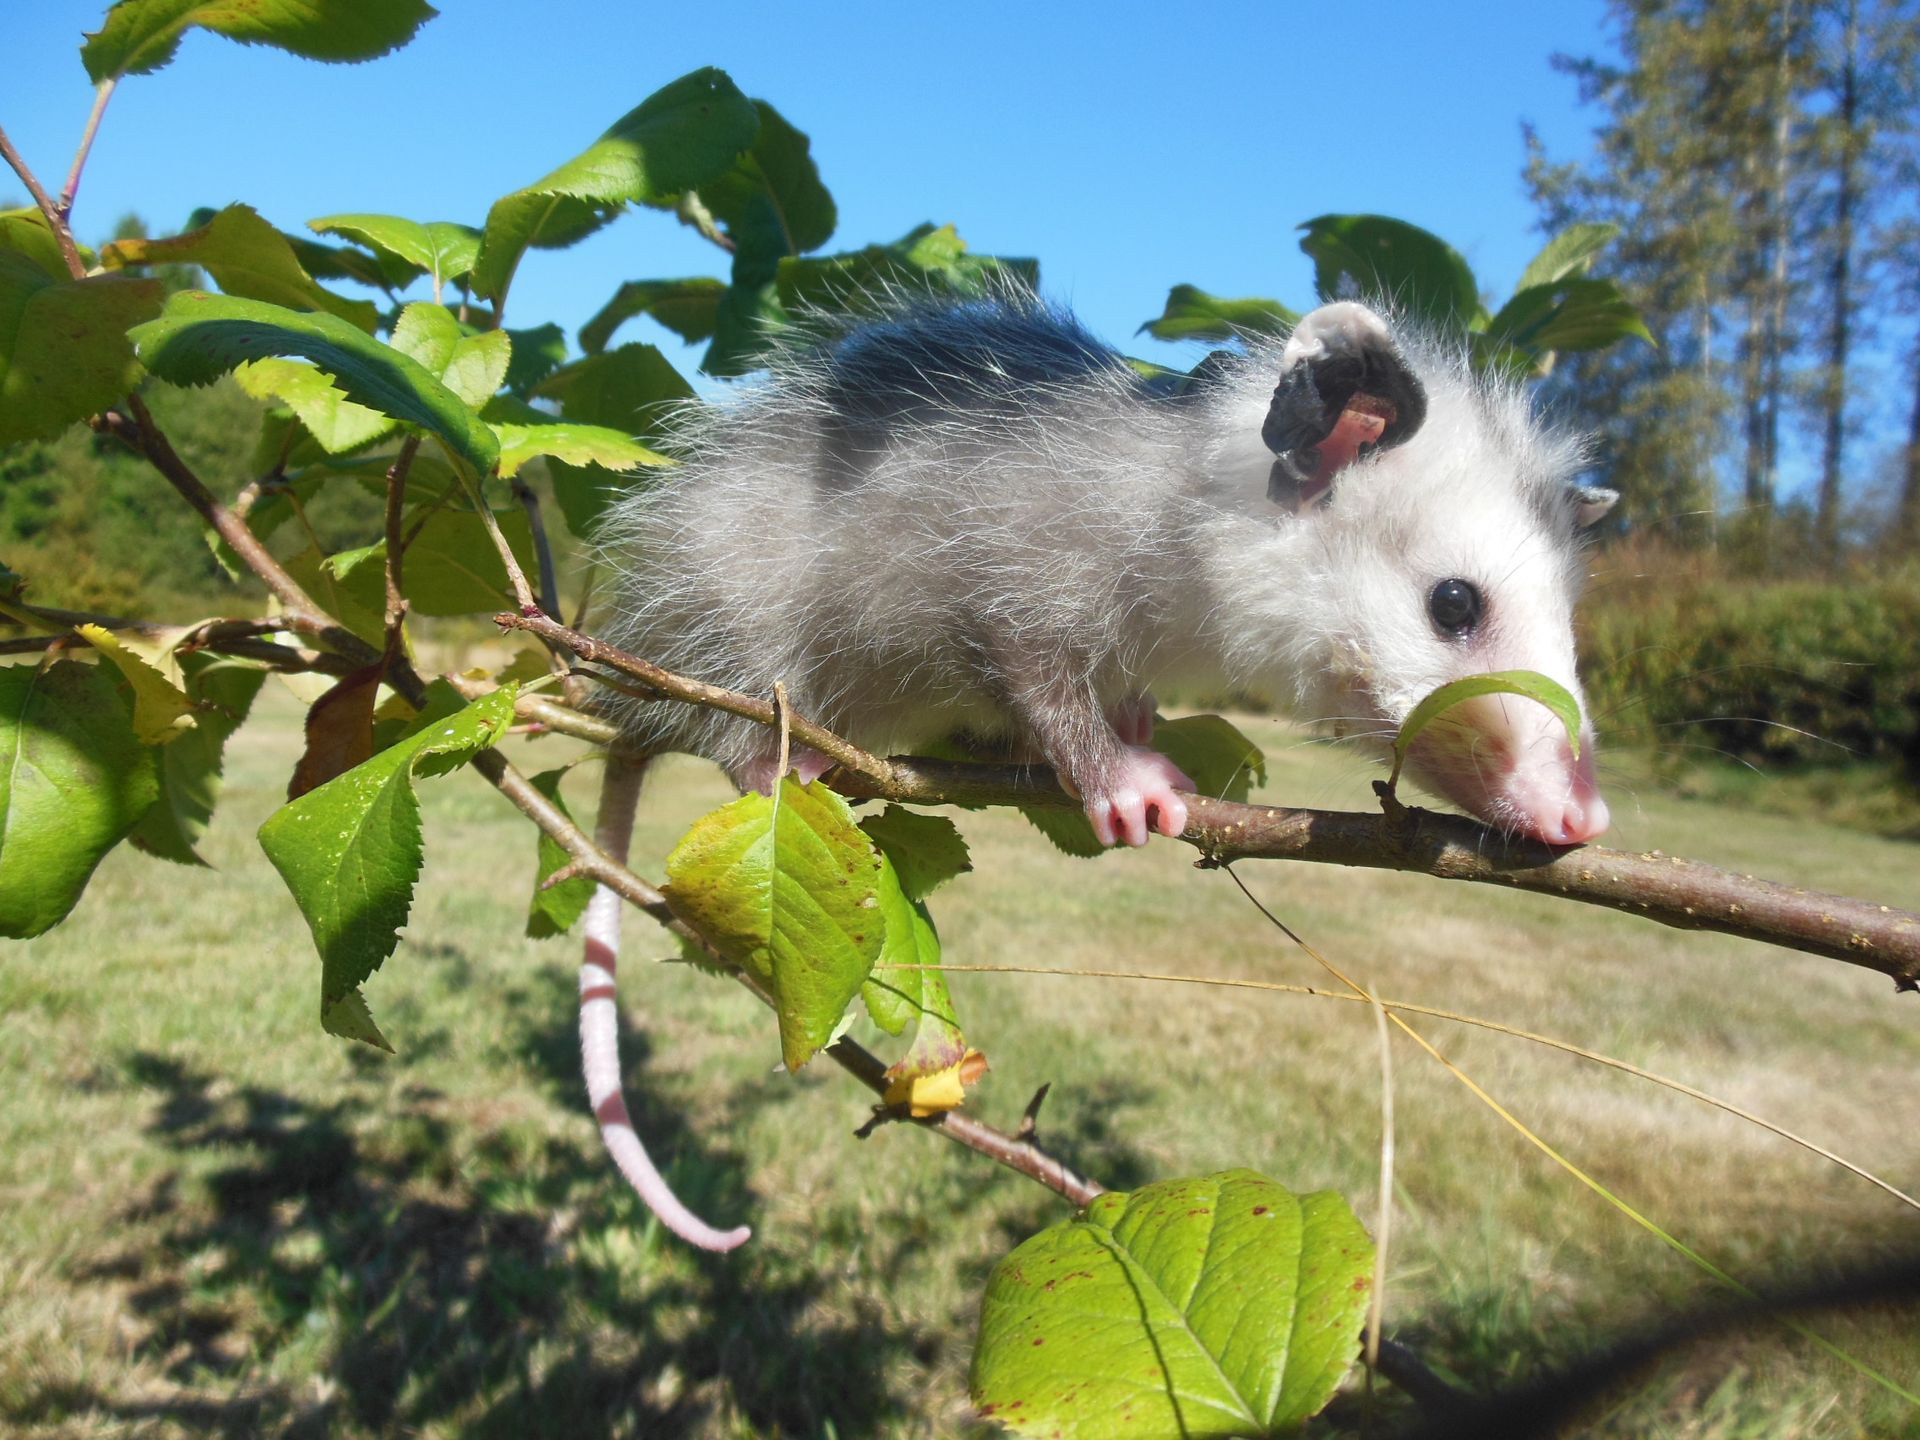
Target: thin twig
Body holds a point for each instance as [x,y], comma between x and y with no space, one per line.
[396,614]
[542,546]
[697,692]
[57,222]
[101,96]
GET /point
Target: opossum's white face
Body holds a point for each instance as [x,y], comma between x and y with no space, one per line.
[1438,566]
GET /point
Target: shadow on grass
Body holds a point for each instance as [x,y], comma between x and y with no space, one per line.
[377,1263]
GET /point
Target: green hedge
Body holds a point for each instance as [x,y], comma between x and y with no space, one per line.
[1803,672]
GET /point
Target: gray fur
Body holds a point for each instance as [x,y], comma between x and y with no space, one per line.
[978,517]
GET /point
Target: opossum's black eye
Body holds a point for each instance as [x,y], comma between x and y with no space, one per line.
[1456,606]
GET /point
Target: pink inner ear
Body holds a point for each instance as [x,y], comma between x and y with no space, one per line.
[1362,423]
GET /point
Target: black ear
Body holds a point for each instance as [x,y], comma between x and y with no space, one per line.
[1345,391]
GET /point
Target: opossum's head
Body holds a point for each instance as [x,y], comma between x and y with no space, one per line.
[1443,539]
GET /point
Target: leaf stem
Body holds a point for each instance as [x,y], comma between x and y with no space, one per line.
[101,96]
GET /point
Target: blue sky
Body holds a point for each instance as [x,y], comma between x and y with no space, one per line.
[1128,146]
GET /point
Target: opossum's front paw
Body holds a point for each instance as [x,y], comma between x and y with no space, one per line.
[1132,718]
[760,772]
[1137,798]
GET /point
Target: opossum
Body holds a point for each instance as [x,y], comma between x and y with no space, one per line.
[976,517]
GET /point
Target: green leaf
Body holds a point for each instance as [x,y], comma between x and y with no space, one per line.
[632,389]
[347,262]
[1568,254]
[438,248]
[1390,261]
[676,140]
[787,889]
[1218,759]
[351,850]
[686,307]
[537,353]
[140,36]
[777,185]
[26,232]
[64,353]
[1528,683]
[473,367]
[357,598]
[451,565]
[73,781]
[222,692]
[927,850]
[1224,1306]
[556,911]
[1067,828]
[1567,315]
[573,444]
[159,706]
[1192,314]
[199,337]
[336,424]
[247,258]
[920,852]
[927,259]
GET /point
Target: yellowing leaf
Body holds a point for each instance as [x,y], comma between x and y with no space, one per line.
[924,1095]
[161,709]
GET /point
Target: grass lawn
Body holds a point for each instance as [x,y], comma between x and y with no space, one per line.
[217,1220]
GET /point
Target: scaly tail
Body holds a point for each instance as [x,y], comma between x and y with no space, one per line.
[600,1023]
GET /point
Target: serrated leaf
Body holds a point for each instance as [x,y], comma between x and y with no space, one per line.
[64,353]
[902,993]
[357,599]
[1192,314]
[200,337]
[247,258]
[161,709]
[537,353]
[222,692]
[349,262]
[1219,760]
[1223,1306]
[1411,270]
[930,259]
[1066,828]
[677,139]
[554,911]
[451,566]
[686,307]
[1528,683]
[927,850]
[351,850]
[438,248]
[1568,254]
[574,445]
[631,389]
[73,781]
[934,1092]
[473,367]
[26,232]
[336,424]
[1567,315]
[787,891]
[140,36]
[774,188]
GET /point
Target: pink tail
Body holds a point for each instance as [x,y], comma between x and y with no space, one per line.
[600,1026]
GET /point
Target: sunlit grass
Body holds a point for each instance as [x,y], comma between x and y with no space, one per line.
[216,1219]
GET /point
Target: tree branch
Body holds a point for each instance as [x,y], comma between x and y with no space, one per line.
[1680,893]
[101,96]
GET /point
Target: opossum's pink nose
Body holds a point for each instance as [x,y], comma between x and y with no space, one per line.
[1571,812]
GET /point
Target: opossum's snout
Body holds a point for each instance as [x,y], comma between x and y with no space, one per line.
[1507,759]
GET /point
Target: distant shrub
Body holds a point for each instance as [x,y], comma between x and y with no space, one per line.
[1808,672]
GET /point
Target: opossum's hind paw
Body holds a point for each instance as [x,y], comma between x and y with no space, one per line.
[1137,799]
[761,771]
[1132,718]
